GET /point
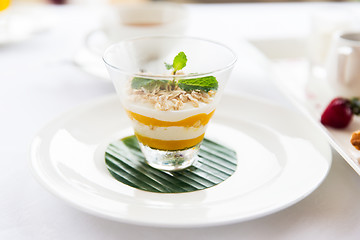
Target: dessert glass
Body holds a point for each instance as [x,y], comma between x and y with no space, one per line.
[169,122]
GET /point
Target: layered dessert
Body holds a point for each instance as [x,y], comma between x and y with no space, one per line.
[170,120]
[172,114]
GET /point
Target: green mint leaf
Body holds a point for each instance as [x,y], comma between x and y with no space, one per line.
[168,66]
[148,84]
[179,61]
[205,84]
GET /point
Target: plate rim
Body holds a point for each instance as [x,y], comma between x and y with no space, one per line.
[32,158]
[309,113]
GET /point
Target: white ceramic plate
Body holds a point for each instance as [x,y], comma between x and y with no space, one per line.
[282,158]
[312,96]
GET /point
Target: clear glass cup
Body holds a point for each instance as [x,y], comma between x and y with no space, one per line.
[169,114]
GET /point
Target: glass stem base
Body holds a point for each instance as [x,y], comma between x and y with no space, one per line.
[170,160]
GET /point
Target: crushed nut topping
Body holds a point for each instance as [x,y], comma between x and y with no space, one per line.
[166,99]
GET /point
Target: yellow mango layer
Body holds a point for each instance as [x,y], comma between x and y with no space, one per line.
[169,145]
[194,121]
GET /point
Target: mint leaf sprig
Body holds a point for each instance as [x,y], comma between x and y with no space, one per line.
[192,84]
[203,84]
[148,84]
[179,63]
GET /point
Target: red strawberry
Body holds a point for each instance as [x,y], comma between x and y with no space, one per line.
[339,112]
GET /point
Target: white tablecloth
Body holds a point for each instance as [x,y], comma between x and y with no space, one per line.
[39,81]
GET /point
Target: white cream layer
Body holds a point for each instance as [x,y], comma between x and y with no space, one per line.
[170,116]
[168,133]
